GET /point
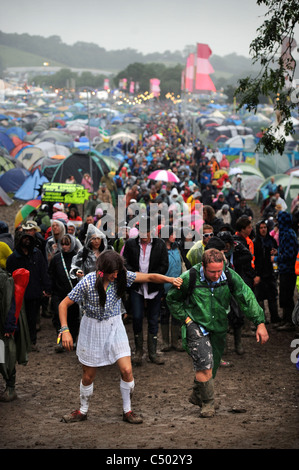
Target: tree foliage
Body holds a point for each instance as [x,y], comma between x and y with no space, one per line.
[170,77]
[273,50]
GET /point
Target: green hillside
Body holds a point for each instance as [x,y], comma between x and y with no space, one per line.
[12,57]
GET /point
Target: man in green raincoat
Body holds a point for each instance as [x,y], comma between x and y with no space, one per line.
[203,313]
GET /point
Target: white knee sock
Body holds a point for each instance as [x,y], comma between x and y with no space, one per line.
[126,389]
[86,392]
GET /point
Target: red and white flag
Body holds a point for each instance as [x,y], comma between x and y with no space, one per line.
[204,69]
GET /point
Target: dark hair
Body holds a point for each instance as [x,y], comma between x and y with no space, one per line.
[212,256]
[108,262]
[65,238]
[242,222]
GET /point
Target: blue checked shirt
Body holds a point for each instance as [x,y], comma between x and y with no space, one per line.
[86,293]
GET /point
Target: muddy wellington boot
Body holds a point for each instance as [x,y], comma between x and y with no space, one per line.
[206,390]
[137,358]
[175,338]
[195,397]
[152,349]
[165,338]
[238,341]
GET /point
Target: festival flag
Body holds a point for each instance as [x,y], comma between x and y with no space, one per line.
[132,86]
[183,85]
[204,69]
[106,84]
[190,73]
[123,84]
[155,86]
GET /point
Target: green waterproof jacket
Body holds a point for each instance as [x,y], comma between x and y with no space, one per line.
[209,307]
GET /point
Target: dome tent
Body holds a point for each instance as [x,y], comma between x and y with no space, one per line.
[77,164]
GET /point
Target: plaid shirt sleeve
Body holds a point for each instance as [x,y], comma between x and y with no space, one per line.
[131,276]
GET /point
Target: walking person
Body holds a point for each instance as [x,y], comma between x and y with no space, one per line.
[26,256]
[62,284]
[148,255]
[286,258]
[170,338]
[203,312]
[102,337]
[264,247]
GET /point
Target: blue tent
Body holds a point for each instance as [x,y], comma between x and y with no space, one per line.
[13,179]
[31,186]
[6,142]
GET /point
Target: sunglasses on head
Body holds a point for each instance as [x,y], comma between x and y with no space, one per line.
[205,235]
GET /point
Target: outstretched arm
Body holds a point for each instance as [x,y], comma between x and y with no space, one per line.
[158,279]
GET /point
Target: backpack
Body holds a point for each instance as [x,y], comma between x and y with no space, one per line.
[192,281]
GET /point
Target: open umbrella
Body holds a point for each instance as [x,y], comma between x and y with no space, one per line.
[26,210]
[164,175]
[156,137]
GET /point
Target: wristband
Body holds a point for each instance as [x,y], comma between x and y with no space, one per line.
[63,329]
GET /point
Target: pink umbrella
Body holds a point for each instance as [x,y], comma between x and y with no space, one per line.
[164,175]
[156,137]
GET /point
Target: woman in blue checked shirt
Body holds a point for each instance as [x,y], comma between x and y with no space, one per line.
[102,338]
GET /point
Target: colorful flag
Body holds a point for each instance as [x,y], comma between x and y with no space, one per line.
[123,84]
[132,86]
[106,84]
[155,86]
[183,84]
[190,73]
[203,81]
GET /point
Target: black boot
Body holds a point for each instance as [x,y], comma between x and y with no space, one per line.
[238,340]
[175,338]
[152,349]
[195,397]
[165,337]
[137,358]
[206,390]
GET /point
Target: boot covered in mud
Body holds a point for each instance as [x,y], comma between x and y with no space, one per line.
[152,349]
[195,397]
[175,337]
[206,390]
[238,340]
[137,358]
[165,337]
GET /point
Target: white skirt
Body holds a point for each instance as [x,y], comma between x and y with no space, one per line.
[101,343]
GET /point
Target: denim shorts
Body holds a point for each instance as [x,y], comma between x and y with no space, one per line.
[200,347]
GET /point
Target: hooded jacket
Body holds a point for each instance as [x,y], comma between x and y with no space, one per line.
[85,259]
[288,244]
[34,262]
[262,253]
[61,283]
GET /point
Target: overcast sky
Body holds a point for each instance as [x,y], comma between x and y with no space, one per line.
[147,26]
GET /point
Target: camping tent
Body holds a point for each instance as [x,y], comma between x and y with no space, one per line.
[13,179]
[252,178]
[29,155]
[5,200]
[272,164]
[77,164]
[5,164]
[31,188]
[290,184]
